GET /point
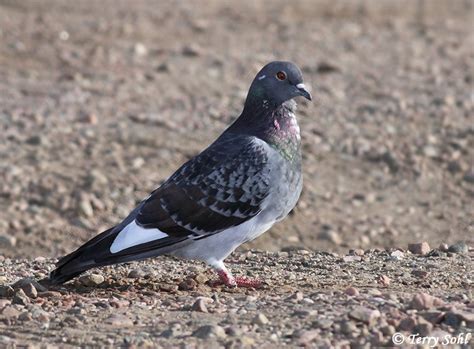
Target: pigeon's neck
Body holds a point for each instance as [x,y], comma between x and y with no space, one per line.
[283,133]
[275,125]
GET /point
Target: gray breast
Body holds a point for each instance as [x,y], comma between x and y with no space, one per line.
[287,185]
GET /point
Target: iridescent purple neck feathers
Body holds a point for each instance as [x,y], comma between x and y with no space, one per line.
[275,125]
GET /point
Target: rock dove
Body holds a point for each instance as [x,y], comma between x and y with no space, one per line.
[233,191]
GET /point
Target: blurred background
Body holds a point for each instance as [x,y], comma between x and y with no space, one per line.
[100,101]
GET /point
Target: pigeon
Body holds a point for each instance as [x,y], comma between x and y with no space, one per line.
[232,192]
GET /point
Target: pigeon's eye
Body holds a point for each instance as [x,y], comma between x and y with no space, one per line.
[281,75]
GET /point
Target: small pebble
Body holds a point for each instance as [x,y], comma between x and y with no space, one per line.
[30,291]
[366,315]
[424,301]
[4,302]
[85,207]
[188,284]
[296,297]
[351,291]
[304,338]
[461,315]
[168,287]
[357,252]
[10,312]
[22,283]
[348,327]
[210,331]
[397,255]
[233,331]
[421,248]
[20,298]
[200,306]
[247,341]
[201,278]
[433,316]
[459,247]
[25,316]
[383,280]
[91,280]
[260,319]
[407,324]
[140,49]
[135,274]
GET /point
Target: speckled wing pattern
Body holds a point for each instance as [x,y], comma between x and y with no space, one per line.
[222,187]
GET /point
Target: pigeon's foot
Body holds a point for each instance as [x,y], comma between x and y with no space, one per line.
[247,282]
[226,278]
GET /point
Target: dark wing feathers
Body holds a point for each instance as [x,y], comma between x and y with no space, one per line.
[222,187]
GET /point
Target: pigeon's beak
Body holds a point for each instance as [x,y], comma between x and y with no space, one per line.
[303,91]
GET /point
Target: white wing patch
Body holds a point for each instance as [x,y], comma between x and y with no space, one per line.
[133,235]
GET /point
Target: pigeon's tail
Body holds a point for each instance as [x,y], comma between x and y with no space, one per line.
[84,258]
[96,253]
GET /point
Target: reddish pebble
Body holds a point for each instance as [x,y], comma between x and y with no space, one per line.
[424,301]
[421,248]
[351,291]
[384,280]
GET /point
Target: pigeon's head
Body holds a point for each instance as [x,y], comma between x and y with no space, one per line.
[277,83]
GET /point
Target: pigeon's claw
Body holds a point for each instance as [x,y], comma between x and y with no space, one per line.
[226,278]
[249,283]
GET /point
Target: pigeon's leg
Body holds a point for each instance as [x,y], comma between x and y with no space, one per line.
[226,278]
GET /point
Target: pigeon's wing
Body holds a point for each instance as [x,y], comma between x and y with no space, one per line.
[222,187]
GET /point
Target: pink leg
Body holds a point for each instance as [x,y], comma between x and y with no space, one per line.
[226,278]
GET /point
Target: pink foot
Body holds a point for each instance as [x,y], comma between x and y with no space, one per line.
[246,282]
[226,278]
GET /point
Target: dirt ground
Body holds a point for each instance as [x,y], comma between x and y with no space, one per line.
[100,101]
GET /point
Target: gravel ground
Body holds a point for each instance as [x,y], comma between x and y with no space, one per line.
[308,299]
[101,101]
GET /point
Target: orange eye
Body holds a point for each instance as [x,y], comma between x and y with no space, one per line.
[281,75]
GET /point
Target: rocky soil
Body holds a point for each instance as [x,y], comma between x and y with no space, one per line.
[308,299]
[101,101]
